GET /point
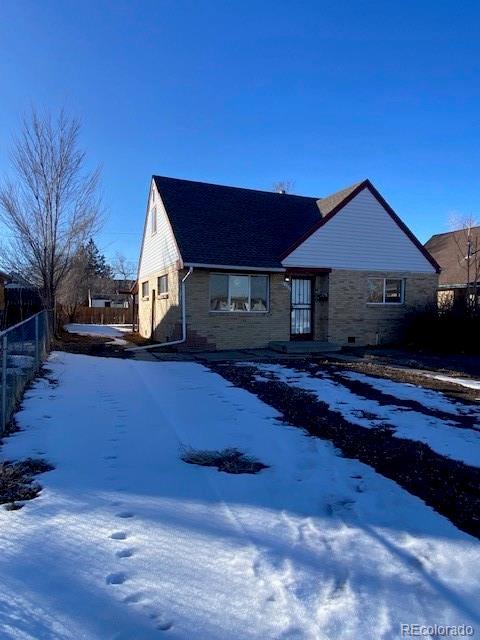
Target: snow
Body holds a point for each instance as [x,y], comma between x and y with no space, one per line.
[442,436]
[464,382]
[114,331]
[405,391]
[127,542]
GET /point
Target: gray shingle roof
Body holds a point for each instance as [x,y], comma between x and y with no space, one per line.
[216,224]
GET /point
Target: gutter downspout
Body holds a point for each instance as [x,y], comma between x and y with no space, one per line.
[184,322]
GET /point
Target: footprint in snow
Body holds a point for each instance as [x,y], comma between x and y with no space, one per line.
[165,625]
[133,598]
[125,553]
[125,514]
[110,457]
[118,535]
[116,578]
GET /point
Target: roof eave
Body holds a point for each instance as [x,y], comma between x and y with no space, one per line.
[230,267]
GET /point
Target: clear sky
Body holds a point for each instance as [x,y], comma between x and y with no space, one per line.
[249,92]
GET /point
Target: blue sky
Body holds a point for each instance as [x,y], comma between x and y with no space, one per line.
[251,92]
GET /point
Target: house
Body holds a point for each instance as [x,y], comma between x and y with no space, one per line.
[118,295]
[458,254]
[227,267]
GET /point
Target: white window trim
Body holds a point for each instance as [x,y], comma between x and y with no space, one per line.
[229,275]
[384,303]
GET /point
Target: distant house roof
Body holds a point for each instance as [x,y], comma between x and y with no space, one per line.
[449,250]
[326,205]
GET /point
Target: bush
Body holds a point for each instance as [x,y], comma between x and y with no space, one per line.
[227,460]
[450,330]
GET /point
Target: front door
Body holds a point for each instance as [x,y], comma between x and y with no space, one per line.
[301,309]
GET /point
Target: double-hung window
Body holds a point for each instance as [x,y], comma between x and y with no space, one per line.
[231,292]
[386,291]
[162,284]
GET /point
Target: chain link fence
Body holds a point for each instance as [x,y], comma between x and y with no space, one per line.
[23,348]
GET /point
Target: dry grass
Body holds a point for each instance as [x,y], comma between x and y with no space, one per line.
[227,460]
[16,481]
[88,345]
[136,338]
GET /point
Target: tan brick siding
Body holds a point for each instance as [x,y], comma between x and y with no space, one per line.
[350,315]
[167,312]
[237,330]
[345,313]
[320,309]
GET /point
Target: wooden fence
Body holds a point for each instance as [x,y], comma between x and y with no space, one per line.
[98,315]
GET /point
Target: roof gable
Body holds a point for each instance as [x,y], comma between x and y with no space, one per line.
[159,249]
[361,232]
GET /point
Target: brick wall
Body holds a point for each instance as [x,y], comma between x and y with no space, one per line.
[350,315]
[237,330]
[167,312]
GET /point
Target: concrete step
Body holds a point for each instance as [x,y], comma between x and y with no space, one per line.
[304,346]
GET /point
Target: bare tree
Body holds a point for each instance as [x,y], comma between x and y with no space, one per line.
[122,268]
[284,186]
[74,287]
[50,206]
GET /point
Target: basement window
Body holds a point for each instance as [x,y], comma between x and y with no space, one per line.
[385,291]
[240,293]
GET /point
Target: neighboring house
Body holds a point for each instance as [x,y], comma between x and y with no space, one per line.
[119,297]
[458,254]
[256,267]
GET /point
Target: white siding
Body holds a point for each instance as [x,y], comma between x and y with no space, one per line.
[363,236]
[158,250]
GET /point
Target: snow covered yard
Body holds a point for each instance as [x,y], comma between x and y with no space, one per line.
[114,331]
[441,434]
[127,542]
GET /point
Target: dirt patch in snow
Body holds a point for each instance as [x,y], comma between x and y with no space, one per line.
[17,481]
[227,460]
[101,346]
[448,486]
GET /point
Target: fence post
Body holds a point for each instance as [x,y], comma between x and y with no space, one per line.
[3,417]
[37,344]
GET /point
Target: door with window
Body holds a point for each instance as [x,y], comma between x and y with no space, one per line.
[301,312]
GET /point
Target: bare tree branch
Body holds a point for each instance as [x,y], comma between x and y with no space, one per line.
[51,206]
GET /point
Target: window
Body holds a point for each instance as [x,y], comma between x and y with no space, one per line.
[145,289]
[154,220]
[162,284]
[229,292]
[385,291]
